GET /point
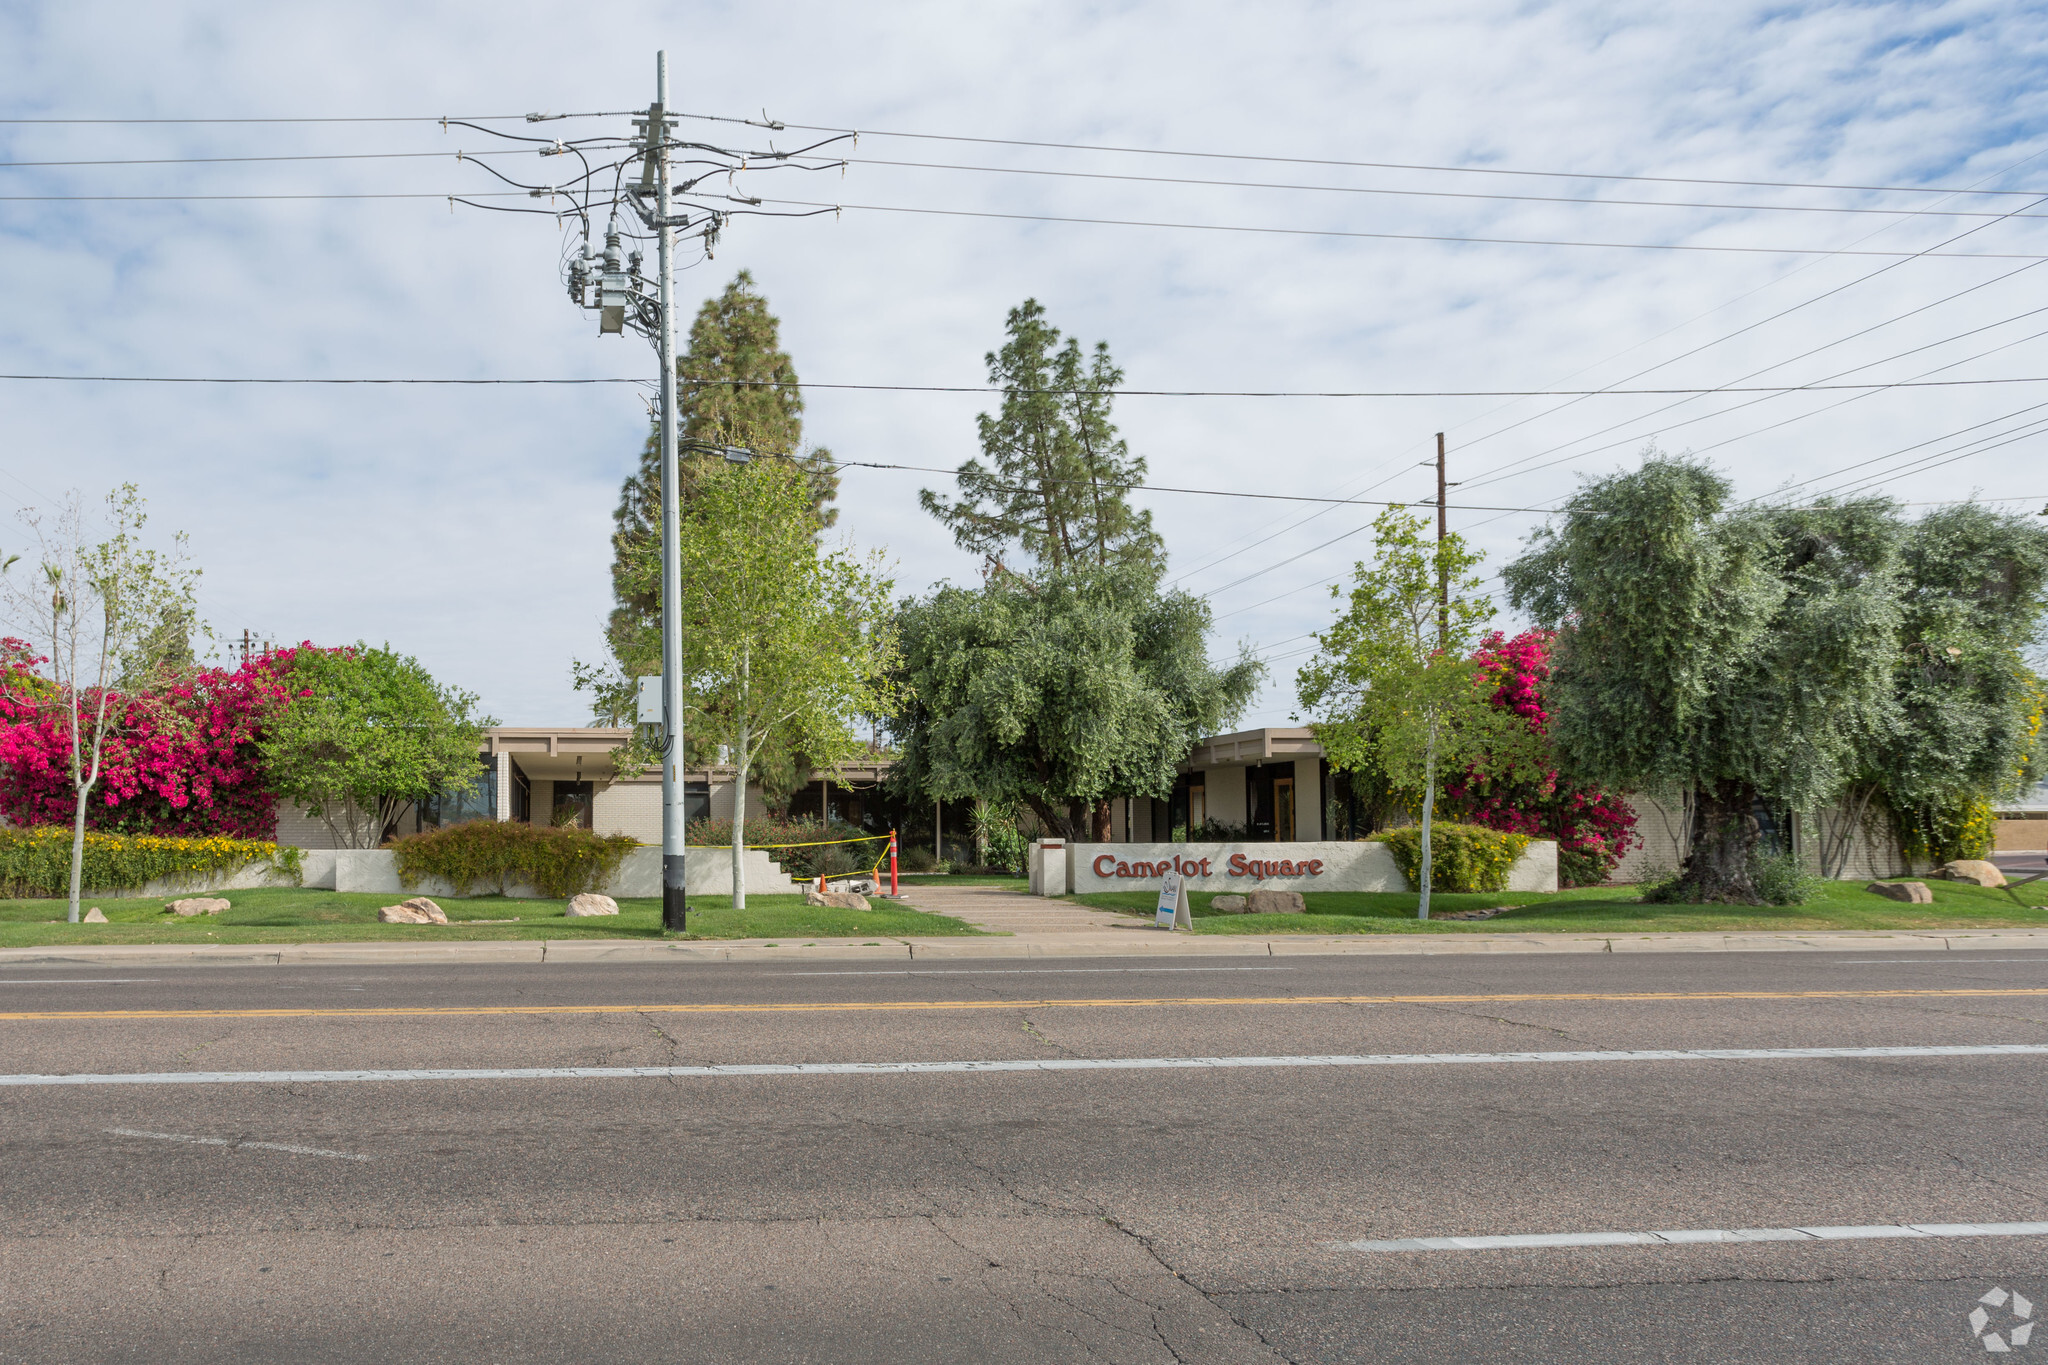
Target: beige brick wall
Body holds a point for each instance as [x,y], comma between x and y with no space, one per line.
[631,808]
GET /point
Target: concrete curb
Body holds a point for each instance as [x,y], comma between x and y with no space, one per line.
[1138,941]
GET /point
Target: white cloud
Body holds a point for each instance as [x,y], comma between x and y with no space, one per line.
[469,526]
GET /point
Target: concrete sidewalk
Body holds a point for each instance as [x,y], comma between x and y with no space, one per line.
[1140,941]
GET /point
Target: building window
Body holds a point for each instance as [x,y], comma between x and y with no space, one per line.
[446,808]
[696,801]
[522,795]
[573,803]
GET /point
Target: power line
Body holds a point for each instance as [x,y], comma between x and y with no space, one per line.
[1402,236]
[413,118]
[1364,165]
[1410,193]
[1121,393]
[1083,175]
[776,125]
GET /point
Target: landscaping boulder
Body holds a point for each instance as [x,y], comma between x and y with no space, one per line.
[1227,905]
[198,905]
[1973,870]
[846,900]
[1274,903]
[1913,893]
[418,910]
[590,903]
[93,916]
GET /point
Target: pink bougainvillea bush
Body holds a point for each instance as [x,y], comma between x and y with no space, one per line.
[1593,828]
[180,759]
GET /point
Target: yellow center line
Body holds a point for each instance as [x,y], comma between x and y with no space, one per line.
[830,1007]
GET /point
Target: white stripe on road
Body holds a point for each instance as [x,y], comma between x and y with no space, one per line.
[1696,1236]
[587,1073]
[238,1143]
[76,980]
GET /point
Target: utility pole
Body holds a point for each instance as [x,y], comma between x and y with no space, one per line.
[1443,528]
[675,907]
[621,301]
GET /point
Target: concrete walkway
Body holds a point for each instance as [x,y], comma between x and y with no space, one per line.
[1006,912]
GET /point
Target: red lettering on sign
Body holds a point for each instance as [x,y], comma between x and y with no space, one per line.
[1315,867]
[1237,865]
[1205,867]
[1100,870]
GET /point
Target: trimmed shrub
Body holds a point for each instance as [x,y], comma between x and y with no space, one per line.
[558,863]
[37,861]
[1462,857]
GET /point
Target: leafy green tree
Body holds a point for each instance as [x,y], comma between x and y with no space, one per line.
[1059,692]
[1975,589]
[1392,687]
[1058,474]
[100,605]
[367,731]
[783,642]
[1741,656]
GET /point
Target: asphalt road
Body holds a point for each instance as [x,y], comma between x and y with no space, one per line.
[1115,1214]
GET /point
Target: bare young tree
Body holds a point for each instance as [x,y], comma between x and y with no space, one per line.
[98,606]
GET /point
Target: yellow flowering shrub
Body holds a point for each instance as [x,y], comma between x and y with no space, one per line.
[36,861]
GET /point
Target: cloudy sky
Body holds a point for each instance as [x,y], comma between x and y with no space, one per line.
[469,525]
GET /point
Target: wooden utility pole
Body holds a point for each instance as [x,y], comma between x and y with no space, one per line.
[1443,528]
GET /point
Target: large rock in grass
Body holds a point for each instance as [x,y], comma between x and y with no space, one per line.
[198,905]
[589,903]
[93,916]
[1912,893]
[1274,903]
[1974,870]
[418,910]
[1227,905]
[838,900]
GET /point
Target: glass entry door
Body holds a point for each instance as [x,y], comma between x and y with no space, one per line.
[1283,810]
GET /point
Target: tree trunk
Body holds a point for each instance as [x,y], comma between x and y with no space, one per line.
[1720,867]
[1423,871]
[77,854]
[1100,826]
[1058,827]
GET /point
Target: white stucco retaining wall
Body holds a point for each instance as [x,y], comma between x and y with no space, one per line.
[1330,866]
[707,872]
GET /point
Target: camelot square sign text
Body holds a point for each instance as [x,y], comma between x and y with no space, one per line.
[1332,866]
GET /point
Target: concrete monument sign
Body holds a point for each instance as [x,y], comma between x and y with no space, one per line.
[1331,866]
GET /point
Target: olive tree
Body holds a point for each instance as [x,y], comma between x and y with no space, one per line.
[1059,691]
[1739,655]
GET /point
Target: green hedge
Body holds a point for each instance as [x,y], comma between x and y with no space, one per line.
[1470,858]
[37,861]
[494,853]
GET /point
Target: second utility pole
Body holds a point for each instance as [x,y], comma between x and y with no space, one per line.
[674,809]
[1443,528]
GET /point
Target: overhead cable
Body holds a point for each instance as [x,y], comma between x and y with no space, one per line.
[1405,236]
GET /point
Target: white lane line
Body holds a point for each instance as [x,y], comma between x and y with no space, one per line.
[1944,961]
[77,980]
[585,1073]
[1697,1236]
[1027,971]
[237,1143]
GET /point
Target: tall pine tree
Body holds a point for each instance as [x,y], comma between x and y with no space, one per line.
[1058,474]
[735,386]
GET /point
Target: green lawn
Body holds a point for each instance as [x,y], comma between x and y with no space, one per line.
[291,915]
[1614,909]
